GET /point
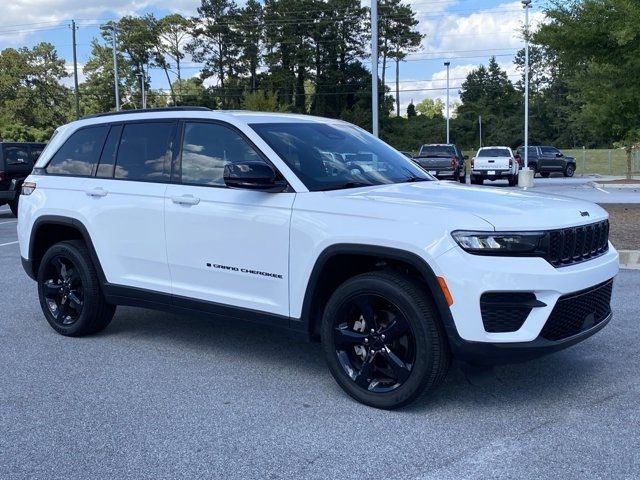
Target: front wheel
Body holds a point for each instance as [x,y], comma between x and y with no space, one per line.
[69,291]
[570,170]
[513,180]
[13,206]
[383,341]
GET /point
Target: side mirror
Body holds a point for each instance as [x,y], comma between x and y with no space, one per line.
[252,175]
[559,154]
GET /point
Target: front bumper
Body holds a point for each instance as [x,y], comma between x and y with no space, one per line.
[469,276]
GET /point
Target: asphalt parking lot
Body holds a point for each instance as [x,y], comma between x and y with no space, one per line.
[164,396]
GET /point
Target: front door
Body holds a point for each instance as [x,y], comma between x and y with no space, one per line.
[225,246]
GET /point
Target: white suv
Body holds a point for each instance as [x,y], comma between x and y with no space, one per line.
[245,215]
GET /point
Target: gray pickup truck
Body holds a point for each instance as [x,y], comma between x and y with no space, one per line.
[442,160]
[545,160]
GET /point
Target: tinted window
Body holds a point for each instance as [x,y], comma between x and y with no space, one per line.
[16,155]
[35,153]
[332,156]
[108,157]
[79,153]
[144,152]
[550,150]
[207,148]
[494,152]
[438,151]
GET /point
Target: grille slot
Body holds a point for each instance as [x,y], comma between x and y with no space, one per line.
[506,311]
[578,244]
[578,311]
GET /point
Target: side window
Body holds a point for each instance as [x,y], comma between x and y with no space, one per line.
[549,150]
[145,152]
[79,153]
[35,153]
[108,157]
[533,152]
[15,155]
[207,148]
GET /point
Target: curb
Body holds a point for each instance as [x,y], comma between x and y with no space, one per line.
[616,186]
[629,259]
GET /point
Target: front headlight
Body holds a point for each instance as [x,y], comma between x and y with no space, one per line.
[499,243]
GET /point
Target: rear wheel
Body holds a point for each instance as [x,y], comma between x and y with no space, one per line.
[69,291]
[570,170]
[477,180]
[513,180]
[383,341]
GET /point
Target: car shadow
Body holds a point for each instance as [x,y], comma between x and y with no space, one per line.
[563,374]
[6,215]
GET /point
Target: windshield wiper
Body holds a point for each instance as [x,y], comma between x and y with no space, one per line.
[343,186]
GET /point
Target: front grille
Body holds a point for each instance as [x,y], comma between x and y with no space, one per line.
[506,311]
[578,311]
[577,244]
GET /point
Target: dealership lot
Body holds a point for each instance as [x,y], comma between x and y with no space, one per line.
[163,396]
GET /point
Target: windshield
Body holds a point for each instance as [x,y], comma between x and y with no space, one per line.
[437,151]
[494,152]
[334,156]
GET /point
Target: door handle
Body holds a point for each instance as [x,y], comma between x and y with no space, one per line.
[186,200]
[97,192]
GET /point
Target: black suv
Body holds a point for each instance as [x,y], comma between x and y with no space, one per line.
[16,163]
[545,160]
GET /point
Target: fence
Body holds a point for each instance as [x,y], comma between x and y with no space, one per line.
[605,162]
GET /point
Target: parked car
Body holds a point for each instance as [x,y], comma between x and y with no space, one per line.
[234,214]
[494,163]
[16,161]
[407,154]
[442,161]
[545,160]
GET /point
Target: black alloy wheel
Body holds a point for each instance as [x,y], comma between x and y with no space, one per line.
[70,291]
[570,170]
[383,340]
[63,290]
[374,343]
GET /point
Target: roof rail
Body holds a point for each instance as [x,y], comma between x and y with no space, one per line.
[149,110]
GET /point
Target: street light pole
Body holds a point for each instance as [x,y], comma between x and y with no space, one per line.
[143,99]
[447,64]
[116,81]
[527,6]
[374,66]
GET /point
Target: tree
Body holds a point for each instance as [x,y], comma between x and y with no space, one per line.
[397,37]
[172,34]
[251,22]
[598,41]
[411,110]
[430,108]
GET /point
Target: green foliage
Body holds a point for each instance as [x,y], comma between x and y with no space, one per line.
[430,108]
[411,110]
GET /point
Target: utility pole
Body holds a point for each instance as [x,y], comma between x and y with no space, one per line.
[143,99]
[75,68]
[447,64]
[116,81]
[374,66]
[527,6]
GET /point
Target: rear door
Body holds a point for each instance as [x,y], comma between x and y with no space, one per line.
[124,203]
[225,246]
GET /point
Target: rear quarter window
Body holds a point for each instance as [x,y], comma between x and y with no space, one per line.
[16,155]
[79,153]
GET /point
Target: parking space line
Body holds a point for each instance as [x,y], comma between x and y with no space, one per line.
[7,244]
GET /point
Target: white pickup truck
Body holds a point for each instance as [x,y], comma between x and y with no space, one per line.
[494,163]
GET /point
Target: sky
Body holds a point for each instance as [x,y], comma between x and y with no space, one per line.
[464,32]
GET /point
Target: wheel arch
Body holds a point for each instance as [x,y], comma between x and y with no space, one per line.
[324,279]
[51,229]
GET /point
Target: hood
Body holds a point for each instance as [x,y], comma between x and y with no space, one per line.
[504,208]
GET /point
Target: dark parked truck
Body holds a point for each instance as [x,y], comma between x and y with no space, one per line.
[442,161]
[16,163]
[545,160]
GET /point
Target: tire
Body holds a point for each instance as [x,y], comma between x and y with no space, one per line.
[570,170]
[13,206]
[477,180]
[66,269]
[513,180]
[456,176]
[463,177]
[412,364]
[545,174]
